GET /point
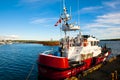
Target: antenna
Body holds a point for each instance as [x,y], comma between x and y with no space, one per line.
[78,13]
[70,11]
[63,3]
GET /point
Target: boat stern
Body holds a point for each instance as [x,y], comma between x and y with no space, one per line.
[53,67]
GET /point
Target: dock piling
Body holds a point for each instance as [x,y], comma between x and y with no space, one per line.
[113,76]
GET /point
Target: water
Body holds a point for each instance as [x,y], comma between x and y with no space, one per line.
[114,45]
[16,60]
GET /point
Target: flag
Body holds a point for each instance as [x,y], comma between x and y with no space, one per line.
[59,21]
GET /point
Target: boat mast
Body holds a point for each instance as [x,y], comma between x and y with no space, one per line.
[64,16]
[63,4]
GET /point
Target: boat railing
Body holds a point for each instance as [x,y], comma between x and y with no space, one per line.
[48,52]
[52,52]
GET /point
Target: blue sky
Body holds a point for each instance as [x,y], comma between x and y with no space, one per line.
[35,19]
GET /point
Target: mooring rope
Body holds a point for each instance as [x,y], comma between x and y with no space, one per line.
[28,76]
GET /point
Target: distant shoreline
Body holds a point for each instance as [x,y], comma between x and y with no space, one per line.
[52,43]
[46,43]
[110,40]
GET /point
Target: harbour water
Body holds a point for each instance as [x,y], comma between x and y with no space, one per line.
[16,60]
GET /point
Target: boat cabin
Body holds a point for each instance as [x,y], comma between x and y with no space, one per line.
[80,47]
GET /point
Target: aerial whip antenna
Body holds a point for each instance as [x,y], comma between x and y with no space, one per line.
[70,11]
[63,3]
[78,14]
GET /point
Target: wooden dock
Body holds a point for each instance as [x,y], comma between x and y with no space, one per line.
[108,71]
[104,71]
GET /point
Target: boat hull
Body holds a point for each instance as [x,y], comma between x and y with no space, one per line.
[58,68]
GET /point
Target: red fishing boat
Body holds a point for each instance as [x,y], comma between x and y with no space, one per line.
[75,54]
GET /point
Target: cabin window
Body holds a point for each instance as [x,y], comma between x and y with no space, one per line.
[97,42]
[92,44]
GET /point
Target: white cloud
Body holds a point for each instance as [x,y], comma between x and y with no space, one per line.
[95,25]
[107,20]
[106,5]
[106,33]
[14,36]
[105,26]
[112,4]
[37,2]
[33,4]
[90,9]
[111,18]
[110,15]
[43,20]
[30,1]
[9,37]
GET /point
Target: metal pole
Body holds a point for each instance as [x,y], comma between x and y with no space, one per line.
[113,75]
[116,77]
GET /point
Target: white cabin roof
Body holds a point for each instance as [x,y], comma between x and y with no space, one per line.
[92,39]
